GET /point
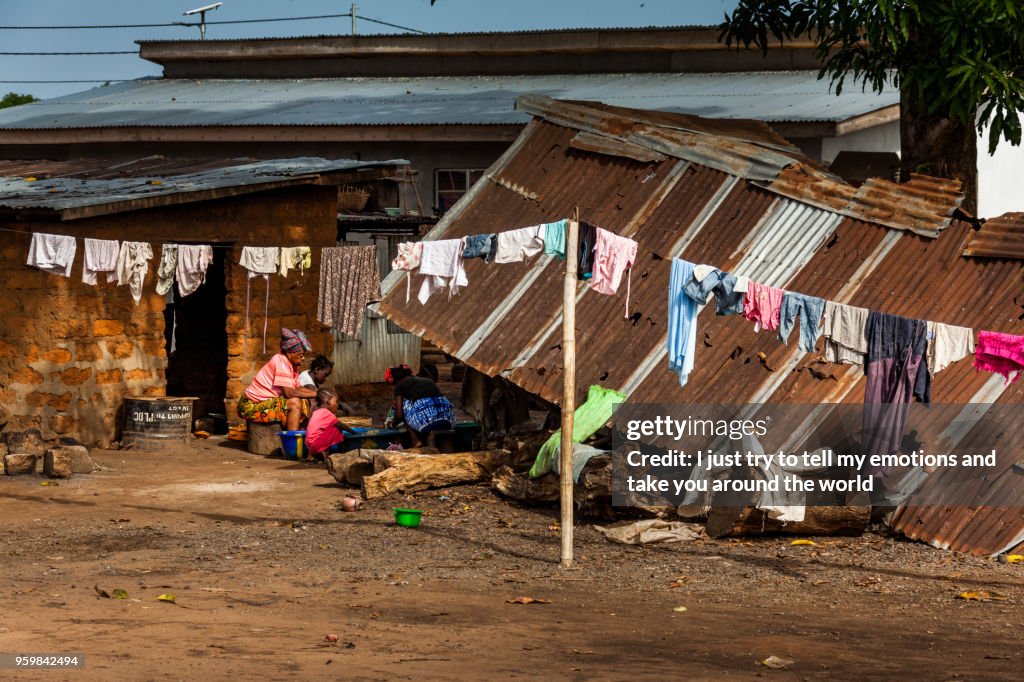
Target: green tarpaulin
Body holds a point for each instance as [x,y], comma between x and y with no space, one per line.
[589,417]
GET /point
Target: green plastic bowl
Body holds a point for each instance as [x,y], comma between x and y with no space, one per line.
[410,518]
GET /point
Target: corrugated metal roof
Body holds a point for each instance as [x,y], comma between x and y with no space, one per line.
[507,321]
[767,96]
[72,189]
[370,37]
[1001,237]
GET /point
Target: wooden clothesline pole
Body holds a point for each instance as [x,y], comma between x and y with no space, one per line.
[568,384]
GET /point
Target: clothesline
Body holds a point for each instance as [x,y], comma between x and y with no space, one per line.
[845,328]
[151,241]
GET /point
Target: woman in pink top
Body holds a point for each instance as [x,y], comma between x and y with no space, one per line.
[275,394]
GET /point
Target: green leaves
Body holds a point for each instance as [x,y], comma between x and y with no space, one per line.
[961,59]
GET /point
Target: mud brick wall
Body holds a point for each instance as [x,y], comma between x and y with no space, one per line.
[70,353]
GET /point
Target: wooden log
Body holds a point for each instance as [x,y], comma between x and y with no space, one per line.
[262,439]
[726,522]
[349,468]
[435,471]
[542,490]
[385,459]
[592,495]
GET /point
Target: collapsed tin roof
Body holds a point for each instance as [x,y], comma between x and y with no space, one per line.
[738,198]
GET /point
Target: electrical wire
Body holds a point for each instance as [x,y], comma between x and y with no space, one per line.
[385,23]
[97,80]
[174,24]
[186,24]
[61,54]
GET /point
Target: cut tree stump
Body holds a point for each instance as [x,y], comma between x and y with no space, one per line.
[726,522]
[434,471]
[262,439]
[19,463]
[57,463]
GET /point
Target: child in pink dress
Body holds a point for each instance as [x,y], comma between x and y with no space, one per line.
[325,431]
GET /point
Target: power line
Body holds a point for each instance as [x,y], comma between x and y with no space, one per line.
[97,80]
[384,23]
[48,54]
[175,24]
[186,24]
[263,21]
[63,27]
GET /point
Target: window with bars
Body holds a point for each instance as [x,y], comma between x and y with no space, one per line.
[451,183]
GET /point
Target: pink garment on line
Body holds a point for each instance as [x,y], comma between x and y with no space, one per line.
[323,431]
[1000,353]
[763,306]
[613,255]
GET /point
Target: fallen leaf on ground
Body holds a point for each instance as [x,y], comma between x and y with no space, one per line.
[1015,558]
[527,600]
[169,598]
[53,483]
[680,609]
[119,594]
[804,542]
[776,663]
[981,595]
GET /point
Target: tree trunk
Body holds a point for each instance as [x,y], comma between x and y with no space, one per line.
[939,146]
[434,471]
[725,522]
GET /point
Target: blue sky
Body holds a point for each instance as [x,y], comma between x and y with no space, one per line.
[445,16]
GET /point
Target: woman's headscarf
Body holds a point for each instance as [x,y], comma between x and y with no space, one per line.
[390,372]
[293,341]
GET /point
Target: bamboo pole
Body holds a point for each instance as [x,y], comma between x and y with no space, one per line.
[568,385]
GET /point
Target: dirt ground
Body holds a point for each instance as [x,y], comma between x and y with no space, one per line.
[263,566]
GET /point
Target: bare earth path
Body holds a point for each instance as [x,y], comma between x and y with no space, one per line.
[263,565]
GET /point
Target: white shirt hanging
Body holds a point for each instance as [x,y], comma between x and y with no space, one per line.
[54,253]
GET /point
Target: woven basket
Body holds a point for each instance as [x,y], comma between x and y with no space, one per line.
[352,198]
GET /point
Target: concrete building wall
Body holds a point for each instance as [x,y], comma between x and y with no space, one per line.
[999,178]
[883,138]
[70,353]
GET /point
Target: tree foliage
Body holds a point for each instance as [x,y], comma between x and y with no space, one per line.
[13,99]
[962,59]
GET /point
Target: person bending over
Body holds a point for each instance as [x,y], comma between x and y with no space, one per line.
[419,403]
[275,394]
[325,431]
[317,374]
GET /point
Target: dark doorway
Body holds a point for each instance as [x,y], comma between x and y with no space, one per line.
[198,365]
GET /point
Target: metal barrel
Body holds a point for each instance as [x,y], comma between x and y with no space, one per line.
[150,423]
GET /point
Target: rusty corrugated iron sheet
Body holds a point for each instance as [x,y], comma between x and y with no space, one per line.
[508,321]
[77,189]
[1001,237]
[923,205]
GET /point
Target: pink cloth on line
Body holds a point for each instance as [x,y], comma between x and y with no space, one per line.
[1000,353]
[272,378]
[613,255]
[323,431]
[763,306]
